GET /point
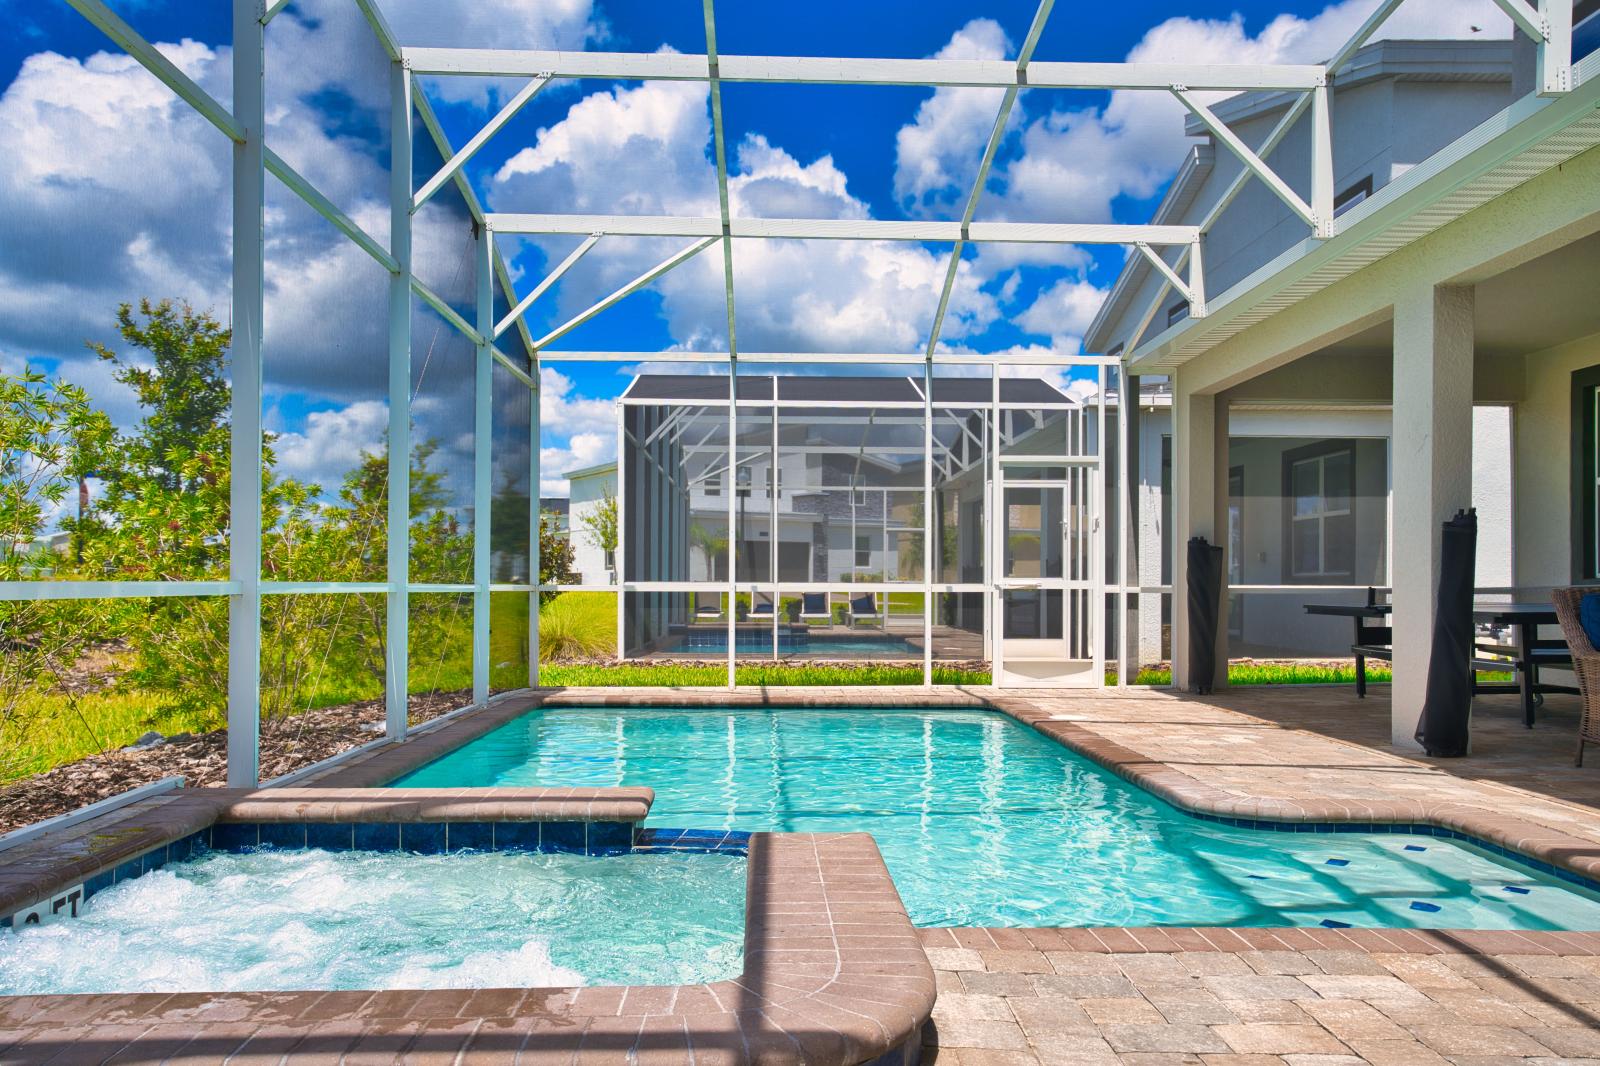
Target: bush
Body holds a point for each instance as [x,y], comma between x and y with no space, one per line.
[578,625]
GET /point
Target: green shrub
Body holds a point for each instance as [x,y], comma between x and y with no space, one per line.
[578,625]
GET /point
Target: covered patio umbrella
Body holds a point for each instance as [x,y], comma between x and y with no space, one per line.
[1444,729]
[1205,611]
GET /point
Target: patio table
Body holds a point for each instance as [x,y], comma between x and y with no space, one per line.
[1527,651]
[1525,654]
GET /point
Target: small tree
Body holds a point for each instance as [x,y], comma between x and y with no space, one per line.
[49,440]
[600,523]
[555,554]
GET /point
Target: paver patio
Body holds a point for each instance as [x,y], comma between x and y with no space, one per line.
[1010,997]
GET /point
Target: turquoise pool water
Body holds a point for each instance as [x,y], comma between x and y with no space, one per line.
[983,821]
[313,919]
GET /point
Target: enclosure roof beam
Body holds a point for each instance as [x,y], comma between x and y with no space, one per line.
[1527,19]
[441,141]
[540,289]
[272,10]
[149,57]
[995,136]
[1252,162]
[381,28]
[1166,271]
[861,229]
[972,359]
[965,73]
[633,286]
[446,312]
[479,139]
[278,168]
[713,68]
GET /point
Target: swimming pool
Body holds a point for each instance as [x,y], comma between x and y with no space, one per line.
[983,821]
[791,641]
[328,920]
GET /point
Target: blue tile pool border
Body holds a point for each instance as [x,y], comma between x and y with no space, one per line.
[421,838]
[691,841]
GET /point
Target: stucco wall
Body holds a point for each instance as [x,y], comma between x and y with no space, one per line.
[1543,448]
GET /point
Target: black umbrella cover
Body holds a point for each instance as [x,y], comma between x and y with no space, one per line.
[1205,612]
[1444,729]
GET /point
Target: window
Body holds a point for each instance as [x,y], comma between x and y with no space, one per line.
[1585,28]
[1319,501]
[1586,474]
[863,552]
[714,486]
[858,497]
[1352,196]
[611,559]
[1177,312]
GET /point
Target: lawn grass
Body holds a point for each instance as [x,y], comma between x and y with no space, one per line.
[653,675]
[66,728]
[1292,674]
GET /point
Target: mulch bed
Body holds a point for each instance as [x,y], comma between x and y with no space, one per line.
[286,746]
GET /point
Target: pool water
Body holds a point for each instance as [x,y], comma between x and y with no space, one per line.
[715,642]
[313,919]
[984,821]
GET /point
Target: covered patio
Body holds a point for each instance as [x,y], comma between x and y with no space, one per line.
[1451,293]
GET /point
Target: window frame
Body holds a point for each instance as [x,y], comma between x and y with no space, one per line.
[1353,194]
[1585,468]
[1318,453]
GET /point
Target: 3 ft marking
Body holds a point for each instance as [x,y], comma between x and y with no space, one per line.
[44,912]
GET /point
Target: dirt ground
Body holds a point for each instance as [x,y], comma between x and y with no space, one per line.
[286,746]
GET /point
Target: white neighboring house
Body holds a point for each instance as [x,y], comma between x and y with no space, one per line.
[590,487]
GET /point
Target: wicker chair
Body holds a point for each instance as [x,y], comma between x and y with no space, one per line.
[1585,663]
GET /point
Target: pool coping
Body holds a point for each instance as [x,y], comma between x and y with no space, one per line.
[41,871]
[1513,837]
[834,973]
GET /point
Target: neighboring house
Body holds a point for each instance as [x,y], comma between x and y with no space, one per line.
[1308,477]
[589,488]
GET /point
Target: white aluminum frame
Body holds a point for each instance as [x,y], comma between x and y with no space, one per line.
[1548,22]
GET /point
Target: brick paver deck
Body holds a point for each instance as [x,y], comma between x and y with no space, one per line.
[1011,997]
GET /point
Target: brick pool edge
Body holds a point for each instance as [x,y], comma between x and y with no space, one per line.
[834,974]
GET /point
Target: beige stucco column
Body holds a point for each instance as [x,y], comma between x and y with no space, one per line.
[1199,509]
[1432,473]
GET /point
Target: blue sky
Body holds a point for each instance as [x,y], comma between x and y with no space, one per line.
[112,190]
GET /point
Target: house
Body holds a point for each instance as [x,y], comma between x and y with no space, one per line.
[588,490]
[1308,493]
[1453,302]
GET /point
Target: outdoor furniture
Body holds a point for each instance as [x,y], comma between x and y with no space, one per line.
[705,610]
[814,608]
[1585,662]
[864,606]
[1371,641]
[761,610]
[1524,656]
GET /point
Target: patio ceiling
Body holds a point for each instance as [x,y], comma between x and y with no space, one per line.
[1531,307]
